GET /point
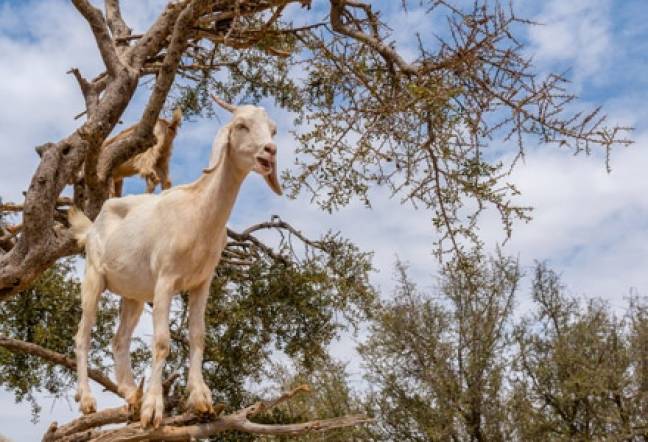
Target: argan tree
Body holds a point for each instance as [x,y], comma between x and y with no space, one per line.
[436,365]
[580,368]
[457,364]
[365,115]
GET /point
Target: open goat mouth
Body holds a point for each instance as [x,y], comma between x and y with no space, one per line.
[265,163]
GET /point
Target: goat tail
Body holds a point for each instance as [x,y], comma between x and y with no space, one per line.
[176,120]
[79,225]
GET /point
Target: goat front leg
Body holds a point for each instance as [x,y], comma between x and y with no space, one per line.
[129,314]
[92,286]
[153,404]
[200,400]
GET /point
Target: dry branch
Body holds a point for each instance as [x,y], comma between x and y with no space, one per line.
[84,423]
[188,426]
[388,53]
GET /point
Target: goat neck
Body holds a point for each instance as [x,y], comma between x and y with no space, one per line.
[216,193]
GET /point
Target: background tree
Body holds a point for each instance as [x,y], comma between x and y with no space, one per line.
[436,364]
[458,365]
[579,368]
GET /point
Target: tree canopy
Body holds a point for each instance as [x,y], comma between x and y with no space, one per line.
[366,116]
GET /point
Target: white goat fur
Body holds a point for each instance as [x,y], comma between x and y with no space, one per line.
[153,163]
[149,247]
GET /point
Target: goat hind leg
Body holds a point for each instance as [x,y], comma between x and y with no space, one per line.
[200,400]
[153,404]
[129,314]
[91,288]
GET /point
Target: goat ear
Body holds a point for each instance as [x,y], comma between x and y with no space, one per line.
[219,149]
[224,104]
[273,181]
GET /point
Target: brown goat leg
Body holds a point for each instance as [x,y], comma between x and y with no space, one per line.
[118,184]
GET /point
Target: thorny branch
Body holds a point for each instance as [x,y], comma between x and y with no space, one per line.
[246,245]
[372,115]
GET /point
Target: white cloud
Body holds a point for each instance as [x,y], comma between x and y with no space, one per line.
[577,32]
[40,98]
[588,224]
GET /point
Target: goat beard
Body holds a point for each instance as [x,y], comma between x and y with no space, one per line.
[273,181]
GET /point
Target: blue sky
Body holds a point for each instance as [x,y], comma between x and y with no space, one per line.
[590,225]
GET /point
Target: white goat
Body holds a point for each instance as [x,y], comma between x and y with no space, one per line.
[150,247]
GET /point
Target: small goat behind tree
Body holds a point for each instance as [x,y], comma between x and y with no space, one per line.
[150,247]
[153,163]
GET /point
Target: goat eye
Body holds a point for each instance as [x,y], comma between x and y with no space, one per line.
[242,126]
[274,132]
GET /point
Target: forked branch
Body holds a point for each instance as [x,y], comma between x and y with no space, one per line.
[100,30]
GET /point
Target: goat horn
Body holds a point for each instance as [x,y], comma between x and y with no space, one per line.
[224,104]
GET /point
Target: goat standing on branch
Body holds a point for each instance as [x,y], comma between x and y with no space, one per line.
[149,247]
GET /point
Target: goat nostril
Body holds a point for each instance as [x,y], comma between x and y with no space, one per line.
[270,148]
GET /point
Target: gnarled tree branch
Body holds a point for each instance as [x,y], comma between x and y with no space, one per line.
[102,35]
[189,426]
[142,137]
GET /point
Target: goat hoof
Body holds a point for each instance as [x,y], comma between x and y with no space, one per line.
[87,404]
[200,401]
[218,409]
[133,396]
[134,401]
[152,411]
